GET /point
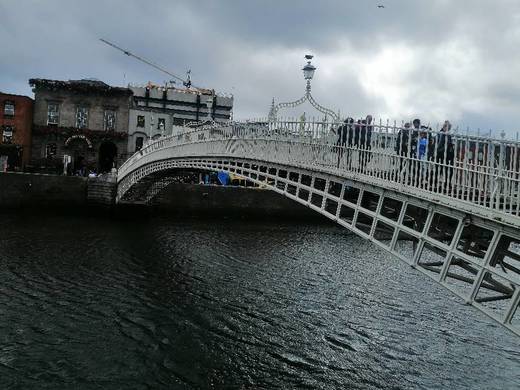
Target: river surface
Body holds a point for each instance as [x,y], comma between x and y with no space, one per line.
[166,303]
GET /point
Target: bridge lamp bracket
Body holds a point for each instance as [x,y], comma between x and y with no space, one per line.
[308,74]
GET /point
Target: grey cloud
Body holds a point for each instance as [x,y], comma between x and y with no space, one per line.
[254,49]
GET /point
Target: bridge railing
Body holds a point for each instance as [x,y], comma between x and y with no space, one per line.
[480,170]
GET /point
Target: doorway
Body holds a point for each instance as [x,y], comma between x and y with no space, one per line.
[107,156]
[78,149]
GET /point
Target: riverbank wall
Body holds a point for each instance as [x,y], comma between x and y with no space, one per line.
[226,200]
[27,191]
[21,191]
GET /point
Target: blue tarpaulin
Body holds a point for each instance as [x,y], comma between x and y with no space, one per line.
[223,178]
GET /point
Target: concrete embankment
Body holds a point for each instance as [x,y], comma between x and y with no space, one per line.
[20,191]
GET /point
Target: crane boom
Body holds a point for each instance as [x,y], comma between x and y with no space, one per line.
[186,83]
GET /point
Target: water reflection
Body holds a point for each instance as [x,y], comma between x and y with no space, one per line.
[162,303]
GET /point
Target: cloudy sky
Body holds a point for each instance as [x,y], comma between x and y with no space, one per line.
[433,59]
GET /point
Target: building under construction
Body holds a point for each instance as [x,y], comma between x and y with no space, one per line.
[156,110]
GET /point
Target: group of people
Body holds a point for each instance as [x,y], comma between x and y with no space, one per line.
[413,142]
[417,142]
[356,134]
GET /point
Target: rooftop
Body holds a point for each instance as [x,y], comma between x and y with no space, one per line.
[14,95]
[192,90]
[83,85]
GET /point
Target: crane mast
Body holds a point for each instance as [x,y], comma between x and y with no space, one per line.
[186,82]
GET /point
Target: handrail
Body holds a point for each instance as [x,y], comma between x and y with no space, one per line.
[483,171]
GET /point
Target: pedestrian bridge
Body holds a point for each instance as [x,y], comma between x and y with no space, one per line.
[452,213]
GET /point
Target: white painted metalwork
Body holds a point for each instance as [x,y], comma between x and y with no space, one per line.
[308,73]
[445,203]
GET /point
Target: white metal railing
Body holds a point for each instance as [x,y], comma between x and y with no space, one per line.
[477,170]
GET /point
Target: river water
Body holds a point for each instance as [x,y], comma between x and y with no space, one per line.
[169,303]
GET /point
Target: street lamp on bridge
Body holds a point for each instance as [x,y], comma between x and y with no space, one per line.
[308,70]
[308,73]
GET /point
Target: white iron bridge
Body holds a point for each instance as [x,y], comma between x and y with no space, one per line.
[449,206]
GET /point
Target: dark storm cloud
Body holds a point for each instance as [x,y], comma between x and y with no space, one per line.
[435,59]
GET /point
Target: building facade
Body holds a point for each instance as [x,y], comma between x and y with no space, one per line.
[16,117]
[82,124]
[162,110]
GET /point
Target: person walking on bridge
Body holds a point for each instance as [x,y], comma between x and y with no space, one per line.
[366,140]
[445,156]
[422,156]
[401,146]
[345,136]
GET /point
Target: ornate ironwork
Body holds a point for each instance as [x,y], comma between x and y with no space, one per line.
[273,113]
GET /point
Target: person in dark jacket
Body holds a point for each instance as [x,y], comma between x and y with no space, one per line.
[401,145]
[357,134]
[445,157]
[415,137]
[365,141]
[345,135]
[369,130]
[401,142]
[342,140]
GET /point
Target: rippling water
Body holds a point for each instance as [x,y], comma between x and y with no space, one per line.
[89,303]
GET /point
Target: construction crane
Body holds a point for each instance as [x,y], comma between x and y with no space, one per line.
[186,82]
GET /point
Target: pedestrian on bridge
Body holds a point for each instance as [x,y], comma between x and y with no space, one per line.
[401,145]
[366,140]
[414,144]
[445,158]
[422,156]
[345,136]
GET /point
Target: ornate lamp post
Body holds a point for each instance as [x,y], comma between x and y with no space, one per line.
[308,73]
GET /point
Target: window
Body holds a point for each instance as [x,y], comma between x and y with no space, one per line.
[53,113]
[109,120]
[139,143]
[82,117]
[7,137]
[140,120]
[50,150]
[9,108]
[161,124]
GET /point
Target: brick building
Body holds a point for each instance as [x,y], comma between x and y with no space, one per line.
[84,119]
[16,118]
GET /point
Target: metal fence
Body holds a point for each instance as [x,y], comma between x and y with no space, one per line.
[476,170]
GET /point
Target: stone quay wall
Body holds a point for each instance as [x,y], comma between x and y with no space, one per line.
[42,192]
[227,200]
[22,190]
